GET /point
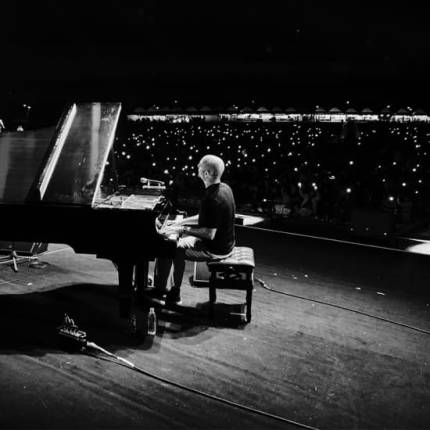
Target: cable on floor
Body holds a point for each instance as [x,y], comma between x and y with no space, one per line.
[132,366]
[264,285]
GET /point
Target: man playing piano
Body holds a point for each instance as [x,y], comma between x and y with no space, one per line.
[211,235]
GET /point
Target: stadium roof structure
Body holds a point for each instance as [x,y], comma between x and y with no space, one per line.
[247,113]
[320,110]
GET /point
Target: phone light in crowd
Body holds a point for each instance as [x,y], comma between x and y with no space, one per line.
[351,163]
[299,184]
[348,190]
[403,184]
[332,177]
[391,199]
[394,163]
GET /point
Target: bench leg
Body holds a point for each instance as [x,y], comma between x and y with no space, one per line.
[249,303]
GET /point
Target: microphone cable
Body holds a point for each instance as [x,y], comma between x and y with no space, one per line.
[320,302]
[70,331]
[129,364]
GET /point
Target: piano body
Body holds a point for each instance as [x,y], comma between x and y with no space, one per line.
[56,191]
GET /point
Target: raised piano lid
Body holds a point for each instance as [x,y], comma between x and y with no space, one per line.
[76,162]
[22,155]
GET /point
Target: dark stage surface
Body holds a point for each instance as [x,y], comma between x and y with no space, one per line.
[319,365]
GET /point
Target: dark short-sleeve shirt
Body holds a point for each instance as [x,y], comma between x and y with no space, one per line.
[218,210]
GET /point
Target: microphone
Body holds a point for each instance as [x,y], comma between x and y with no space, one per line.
[147,181]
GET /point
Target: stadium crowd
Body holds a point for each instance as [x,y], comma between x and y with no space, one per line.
[294,170]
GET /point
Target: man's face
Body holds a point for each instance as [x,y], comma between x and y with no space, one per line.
[200,166]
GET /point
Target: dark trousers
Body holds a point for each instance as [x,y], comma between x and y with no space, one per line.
[189,248]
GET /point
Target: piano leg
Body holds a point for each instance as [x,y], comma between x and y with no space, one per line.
[141,280]
[133,280]
[126,287]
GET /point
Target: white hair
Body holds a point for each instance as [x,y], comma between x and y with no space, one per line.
[214,165]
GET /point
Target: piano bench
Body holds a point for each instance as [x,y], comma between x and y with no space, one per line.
[233,273]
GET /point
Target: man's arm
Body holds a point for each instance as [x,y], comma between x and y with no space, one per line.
[200,232]
[190,220]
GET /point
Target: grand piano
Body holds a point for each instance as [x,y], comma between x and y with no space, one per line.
[58,190]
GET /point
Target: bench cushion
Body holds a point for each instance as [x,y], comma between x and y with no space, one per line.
[241,258]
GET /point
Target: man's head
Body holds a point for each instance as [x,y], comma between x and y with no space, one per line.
[211,169]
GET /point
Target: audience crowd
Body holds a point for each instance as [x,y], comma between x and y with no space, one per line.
[297,170]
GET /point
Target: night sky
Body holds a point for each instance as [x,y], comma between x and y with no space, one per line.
[283,53]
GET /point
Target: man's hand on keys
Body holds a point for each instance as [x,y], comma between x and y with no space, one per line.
[171,229]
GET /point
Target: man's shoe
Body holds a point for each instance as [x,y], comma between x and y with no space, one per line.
[156,296]
[173,296]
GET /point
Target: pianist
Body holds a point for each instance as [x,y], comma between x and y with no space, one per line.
[212,235]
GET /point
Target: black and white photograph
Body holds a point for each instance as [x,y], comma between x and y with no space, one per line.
[214,215]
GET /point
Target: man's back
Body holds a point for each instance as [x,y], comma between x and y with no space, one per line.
[218,210]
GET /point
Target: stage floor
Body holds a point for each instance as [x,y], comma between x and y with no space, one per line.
[325,365]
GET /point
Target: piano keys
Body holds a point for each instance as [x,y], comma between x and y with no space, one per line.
[59,190]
